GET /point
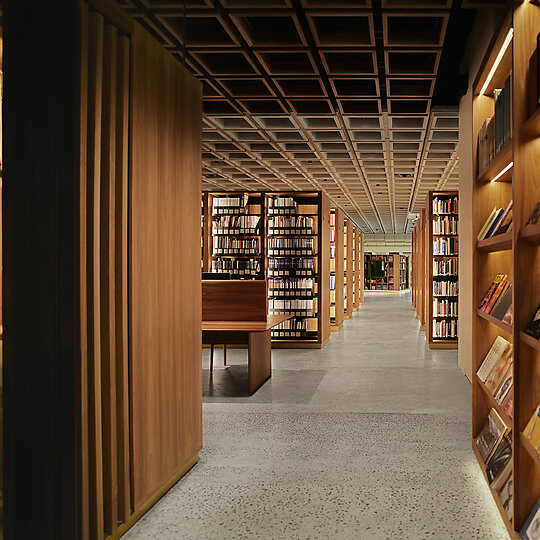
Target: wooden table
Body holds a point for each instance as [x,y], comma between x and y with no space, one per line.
[256,334]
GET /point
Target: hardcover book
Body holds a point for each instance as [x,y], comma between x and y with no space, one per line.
[506,495]
[532,430]
[533,328]
[493,430]
[503,303]
[497,349]
[491,291]
[500,458]
[499,371]
[501,287]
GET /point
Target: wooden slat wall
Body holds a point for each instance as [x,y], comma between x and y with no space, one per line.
[165,221]
[105,475]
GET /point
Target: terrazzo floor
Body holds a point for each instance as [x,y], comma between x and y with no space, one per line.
[368,438]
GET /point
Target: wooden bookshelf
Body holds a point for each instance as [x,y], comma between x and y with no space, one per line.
[233,229]
[419,278]
[297,269]
[336,269]
[403,272]
[442,260]
[348,268]
[517,253]
[358,268]
[389,278]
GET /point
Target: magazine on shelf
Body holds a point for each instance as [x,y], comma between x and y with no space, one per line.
[493,355]
[502,456]
[533,328]
[532,430]
[531,527]
[500,369]
[492,432]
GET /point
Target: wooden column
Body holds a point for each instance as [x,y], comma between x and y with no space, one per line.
[348,240]
[339,270]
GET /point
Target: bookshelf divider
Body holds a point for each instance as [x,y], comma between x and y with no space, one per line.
[336,269]
[348,265]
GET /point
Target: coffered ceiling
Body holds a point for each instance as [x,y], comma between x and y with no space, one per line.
[354,97]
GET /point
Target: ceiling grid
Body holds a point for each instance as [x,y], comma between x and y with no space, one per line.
[315,94]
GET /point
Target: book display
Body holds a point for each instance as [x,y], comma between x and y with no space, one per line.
[337,272]
[295,238]
[442,272]
[506,263]
[382,272]
[234,228]
[403,272]
[358,267]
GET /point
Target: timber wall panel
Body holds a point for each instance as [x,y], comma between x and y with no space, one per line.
[165,221]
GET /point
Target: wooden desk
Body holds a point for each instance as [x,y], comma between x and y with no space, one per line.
[256,334]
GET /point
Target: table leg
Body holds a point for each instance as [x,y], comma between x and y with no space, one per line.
[259,359]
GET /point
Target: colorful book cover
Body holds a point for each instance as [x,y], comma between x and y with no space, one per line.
[493,430]
[491,290]
[499,370]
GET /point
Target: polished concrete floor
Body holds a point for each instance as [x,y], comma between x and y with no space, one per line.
[368,438]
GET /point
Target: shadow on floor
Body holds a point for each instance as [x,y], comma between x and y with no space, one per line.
[228,381]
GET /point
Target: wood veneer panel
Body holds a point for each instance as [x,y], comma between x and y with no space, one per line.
[526,260]
[234,300]
[260,363]
[95,100]
[165,221]
[121,281]
[324,268]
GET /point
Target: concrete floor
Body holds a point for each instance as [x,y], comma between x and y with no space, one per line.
[368,438]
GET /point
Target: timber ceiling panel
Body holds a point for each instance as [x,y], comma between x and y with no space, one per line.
[315,94]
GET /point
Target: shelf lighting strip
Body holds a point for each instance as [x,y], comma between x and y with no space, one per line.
[507,168]
[507,41]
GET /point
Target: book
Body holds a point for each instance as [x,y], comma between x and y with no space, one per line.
[531,527]
[505,221]
[491,290]
[492,432]
[499,371]
[535,215]
[509,316]
[508,406]
[493,355]
[505,387]
[533,328]
[487,224]
[495,223]
[501,287]
[503,477]
[532,430]
[506,495]
[500,458]
[503,303]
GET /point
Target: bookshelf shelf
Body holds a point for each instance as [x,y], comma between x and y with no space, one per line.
[530,341]
[503,326]
[518,255]
[502,242]
[531,233]
[498,164]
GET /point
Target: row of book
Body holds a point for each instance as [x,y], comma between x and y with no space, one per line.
[243,224]
[291,243]
[281,202]
[498,299]
[291,222]
[496,372]
[447,205]
[332,235]
[296,327]
[237,267]
[496,131]
[445,246]
[292,306]
[227,245]
[445,329]
[494,443]
[298,285]
[332,220]
[445,288]
[229,205]
[445,267]
[499,221]
[332,282]
[445,308]
[445,225]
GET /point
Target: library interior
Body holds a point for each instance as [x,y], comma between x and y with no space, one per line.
[260,273]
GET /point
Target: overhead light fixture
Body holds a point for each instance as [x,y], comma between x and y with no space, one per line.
[507,168]
[493,69]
